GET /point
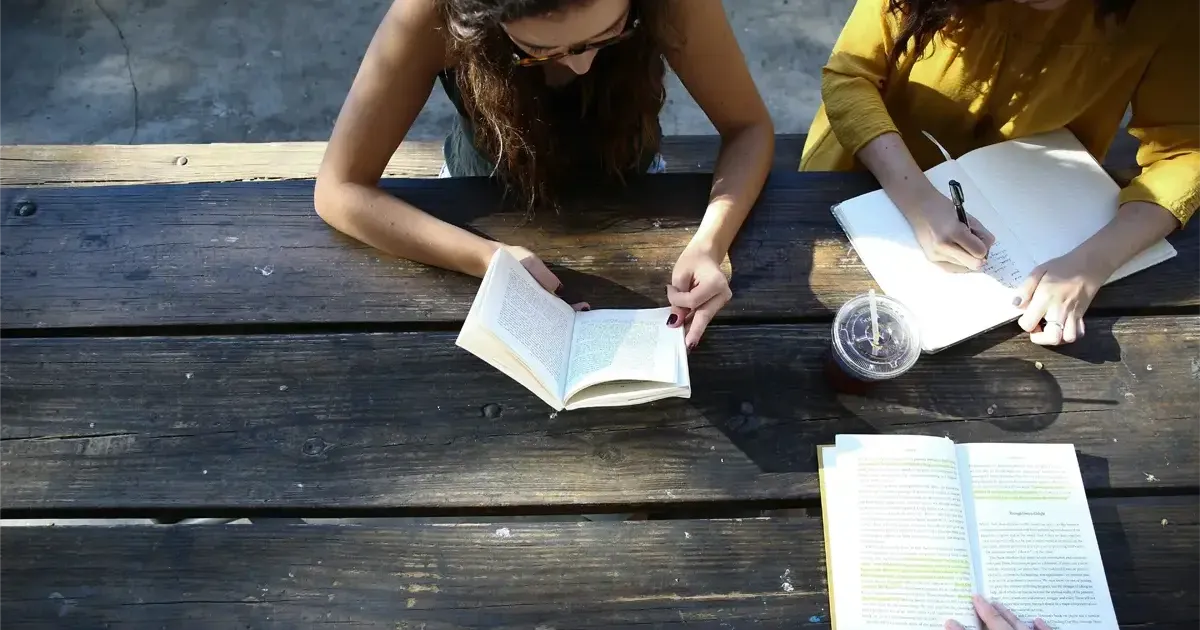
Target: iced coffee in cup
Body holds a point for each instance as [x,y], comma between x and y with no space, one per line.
[875,338]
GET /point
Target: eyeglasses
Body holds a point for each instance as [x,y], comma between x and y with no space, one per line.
[521,58]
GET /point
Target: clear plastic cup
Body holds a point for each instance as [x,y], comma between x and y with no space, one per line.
[855,352]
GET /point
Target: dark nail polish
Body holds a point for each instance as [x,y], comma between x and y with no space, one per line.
[586,309]
[691,346]
[672,319]
[558,290]
[1017,301]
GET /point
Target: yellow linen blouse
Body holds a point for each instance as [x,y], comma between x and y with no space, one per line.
[1010,71]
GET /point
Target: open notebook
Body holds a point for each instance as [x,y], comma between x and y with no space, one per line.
[1041,196]
[601,358]
[915,525]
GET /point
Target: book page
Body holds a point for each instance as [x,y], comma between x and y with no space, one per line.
[899,553]
[1037,550]
[950,306]
[1053,194]
[534,324]
[623,345]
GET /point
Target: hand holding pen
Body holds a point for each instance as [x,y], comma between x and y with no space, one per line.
[946,232]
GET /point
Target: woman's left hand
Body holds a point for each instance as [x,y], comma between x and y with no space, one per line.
[697,291]
[1059,292]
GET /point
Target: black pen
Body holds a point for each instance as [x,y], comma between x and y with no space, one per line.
[956,195]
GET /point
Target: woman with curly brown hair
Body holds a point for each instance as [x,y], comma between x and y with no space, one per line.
[548,92]
[977,72]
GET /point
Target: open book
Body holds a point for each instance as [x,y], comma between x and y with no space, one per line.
[1041,196]
[601,358]
[915,525]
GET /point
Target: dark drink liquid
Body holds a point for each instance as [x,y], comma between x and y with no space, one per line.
[874,338]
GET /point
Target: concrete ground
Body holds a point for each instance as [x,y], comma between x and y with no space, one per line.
[188,71]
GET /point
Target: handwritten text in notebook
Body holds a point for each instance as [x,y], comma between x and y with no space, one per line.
[1004,267]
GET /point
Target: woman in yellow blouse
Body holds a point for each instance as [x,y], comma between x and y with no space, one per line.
[1000,70]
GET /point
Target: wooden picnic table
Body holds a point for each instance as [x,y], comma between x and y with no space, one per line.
[212,349]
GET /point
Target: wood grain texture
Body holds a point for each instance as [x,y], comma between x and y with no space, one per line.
[97,165]
[677,574]
[220,424]
[256,253]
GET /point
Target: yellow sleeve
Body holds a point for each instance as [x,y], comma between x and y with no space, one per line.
[1166,120]
[852,80]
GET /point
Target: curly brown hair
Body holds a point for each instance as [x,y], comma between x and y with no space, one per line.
[920,20]
[535,146]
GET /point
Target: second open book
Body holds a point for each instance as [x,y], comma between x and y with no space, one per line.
[1041,196]
[915,525]
[601,358]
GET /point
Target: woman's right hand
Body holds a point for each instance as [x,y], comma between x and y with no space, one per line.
[996,617]
[541,272]
[942,237]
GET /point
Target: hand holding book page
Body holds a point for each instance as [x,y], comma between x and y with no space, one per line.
[997,616]
[1037,549]
[569,359]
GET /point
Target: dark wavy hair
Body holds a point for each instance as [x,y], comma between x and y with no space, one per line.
[534,145]
[920,20]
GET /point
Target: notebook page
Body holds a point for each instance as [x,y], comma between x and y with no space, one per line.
[899,557]
[950,306]
[1036,547]
[1053,195]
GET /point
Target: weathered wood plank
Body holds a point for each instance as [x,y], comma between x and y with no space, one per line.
[704,574]
[257,253]
[98,165]
[236,424]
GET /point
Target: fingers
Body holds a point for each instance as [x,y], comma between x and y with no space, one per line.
[1070,327]
[1031,320]
[1009,617]
[542,274]
[984,235]
[971,243]
[954,625]
[953,253]
[700,321]
[691,300]
[701,304]
[989,615]
[1049,335]
[1025,293]
[677,317]
[679,314]
[581,306]
[1039,624]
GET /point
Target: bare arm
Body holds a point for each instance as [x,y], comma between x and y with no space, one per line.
[712,68]
[930,213]
[891,163]
[1138,225]
[392,85]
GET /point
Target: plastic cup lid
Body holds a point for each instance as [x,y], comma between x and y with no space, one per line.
[896,350]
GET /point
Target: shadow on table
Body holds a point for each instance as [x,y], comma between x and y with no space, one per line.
[778,414]
[770,398]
